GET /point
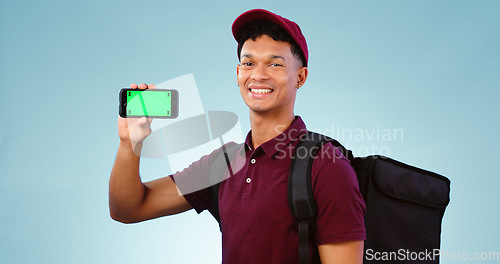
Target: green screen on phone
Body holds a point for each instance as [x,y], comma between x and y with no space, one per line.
[149,103]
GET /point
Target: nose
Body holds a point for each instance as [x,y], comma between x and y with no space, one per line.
[260,73]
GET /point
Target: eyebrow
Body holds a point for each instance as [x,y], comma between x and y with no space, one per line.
[277,57]
[246,55]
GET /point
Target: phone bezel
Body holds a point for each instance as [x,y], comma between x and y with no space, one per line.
[174,104]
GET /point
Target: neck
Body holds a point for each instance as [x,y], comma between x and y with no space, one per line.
[267,126]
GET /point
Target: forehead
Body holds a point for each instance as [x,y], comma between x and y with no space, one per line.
[266,46]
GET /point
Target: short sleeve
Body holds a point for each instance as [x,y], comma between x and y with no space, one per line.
[341,207]
[193,181]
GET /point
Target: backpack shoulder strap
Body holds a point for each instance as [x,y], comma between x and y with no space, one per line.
[300,193]
[219,167]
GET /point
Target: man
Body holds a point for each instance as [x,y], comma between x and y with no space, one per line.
[256,223]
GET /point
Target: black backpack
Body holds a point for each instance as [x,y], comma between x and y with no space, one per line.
[404,205]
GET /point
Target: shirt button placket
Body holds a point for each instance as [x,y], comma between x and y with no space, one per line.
[248,180]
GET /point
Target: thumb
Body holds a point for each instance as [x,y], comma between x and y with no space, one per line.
[144,122]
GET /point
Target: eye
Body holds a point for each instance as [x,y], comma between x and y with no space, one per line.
[276,65]
[246,64]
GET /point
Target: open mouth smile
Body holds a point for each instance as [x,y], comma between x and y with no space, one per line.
[260,91]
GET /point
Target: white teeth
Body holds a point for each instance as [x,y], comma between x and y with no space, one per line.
[261,91]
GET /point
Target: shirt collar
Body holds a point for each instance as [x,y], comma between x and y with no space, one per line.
[272,146]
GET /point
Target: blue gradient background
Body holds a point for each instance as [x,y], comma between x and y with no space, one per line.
[430,68]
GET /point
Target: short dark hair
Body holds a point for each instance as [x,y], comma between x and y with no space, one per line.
[257,28]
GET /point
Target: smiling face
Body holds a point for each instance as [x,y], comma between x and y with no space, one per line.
[269,76]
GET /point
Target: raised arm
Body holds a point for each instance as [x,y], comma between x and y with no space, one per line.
[349,252]
[131,200]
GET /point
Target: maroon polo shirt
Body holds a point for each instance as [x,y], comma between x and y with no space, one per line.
[257,225]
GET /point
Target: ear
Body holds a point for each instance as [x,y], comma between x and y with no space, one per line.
[237,73]
[301,76]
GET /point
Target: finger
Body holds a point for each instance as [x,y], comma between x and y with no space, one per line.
[143,86]
[143,121]
[133,86]
[152,86]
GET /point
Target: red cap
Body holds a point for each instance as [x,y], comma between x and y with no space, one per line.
[260,14]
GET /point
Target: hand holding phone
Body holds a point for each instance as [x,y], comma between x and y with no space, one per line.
[134,128]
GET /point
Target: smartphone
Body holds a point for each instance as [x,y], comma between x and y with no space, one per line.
[153,103]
